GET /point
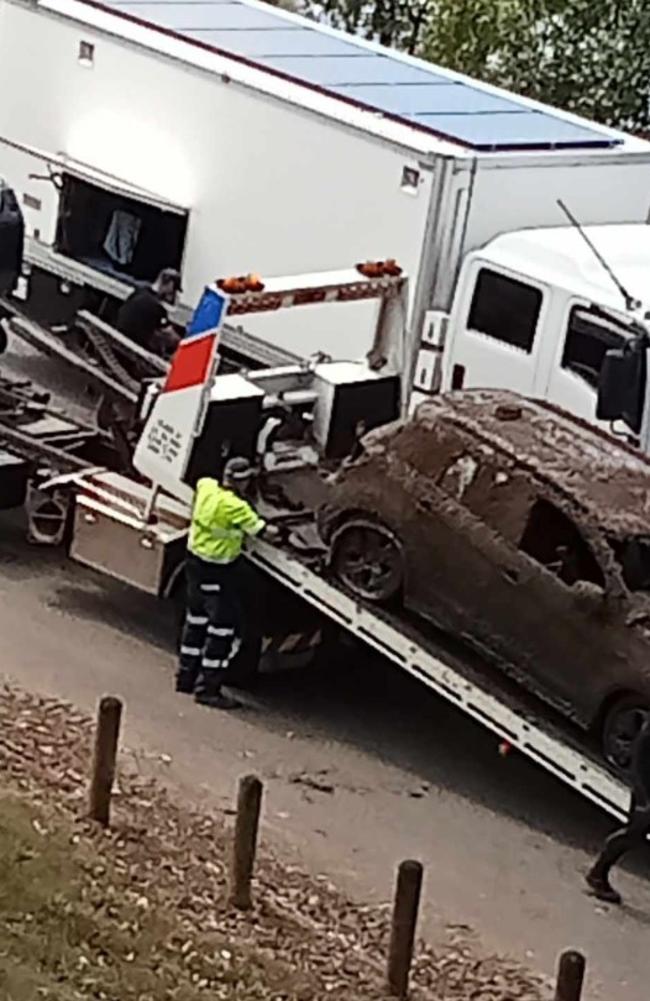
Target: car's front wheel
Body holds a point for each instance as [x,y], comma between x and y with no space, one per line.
[622,725]
[367,559]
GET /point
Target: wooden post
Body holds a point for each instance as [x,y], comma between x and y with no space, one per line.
[249,801]
[570,976]
[402,937]
[106,738]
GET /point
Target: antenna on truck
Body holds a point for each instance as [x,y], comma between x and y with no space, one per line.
[631,304]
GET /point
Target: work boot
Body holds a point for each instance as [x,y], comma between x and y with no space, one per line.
[601,887]
[216,700]
[185,682]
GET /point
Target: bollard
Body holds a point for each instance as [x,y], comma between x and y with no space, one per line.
[570,976]
[249,801]
[402,936]
[106,738]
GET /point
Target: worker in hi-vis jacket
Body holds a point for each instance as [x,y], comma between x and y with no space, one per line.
[215,618]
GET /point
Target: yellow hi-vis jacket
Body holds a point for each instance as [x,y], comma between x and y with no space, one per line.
[220,522]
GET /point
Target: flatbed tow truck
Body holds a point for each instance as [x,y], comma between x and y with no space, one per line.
[297,421]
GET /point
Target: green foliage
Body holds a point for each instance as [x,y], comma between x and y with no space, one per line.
[587,56]
[400,24]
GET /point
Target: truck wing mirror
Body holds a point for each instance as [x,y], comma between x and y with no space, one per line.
[621,386]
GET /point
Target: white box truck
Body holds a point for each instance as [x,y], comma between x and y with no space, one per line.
[225,137]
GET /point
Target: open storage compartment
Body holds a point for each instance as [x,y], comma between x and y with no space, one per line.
[118,231]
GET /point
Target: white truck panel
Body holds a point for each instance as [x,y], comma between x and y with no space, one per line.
[523,192]
[271,188]
[274,182]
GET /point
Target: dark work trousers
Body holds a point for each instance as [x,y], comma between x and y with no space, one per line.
[214,622]
[632,835]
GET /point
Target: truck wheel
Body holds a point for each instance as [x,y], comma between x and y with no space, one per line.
[367,559]
[623,722]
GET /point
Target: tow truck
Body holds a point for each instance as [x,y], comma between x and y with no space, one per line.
[296,422]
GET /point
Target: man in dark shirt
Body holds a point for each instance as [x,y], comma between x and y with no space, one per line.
[143,316]
[637,827]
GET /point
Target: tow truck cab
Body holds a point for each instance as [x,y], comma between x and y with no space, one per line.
[536,312]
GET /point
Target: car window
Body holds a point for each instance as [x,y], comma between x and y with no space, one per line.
[505,309]
[587,340]
[554,541]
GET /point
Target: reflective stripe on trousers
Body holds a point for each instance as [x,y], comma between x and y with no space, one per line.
[210,638]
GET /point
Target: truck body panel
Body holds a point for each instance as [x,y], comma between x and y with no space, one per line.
[264,173]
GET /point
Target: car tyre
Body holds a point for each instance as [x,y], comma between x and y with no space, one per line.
[621,727]
[366,557]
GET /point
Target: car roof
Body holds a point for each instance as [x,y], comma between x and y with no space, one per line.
[607,479]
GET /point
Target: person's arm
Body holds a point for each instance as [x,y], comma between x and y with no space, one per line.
[245,517]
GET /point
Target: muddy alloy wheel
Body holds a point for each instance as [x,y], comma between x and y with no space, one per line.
[622,725]
[367,559]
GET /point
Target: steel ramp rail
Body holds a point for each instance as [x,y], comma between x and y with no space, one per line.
[539,741]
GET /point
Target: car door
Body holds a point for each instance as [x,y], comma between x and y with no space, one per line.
[559,585]
[575,369]
[462,569]
[446,564]
[486,559]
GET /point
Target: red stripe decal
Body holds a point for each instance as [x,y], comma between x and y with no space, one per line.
[191,363]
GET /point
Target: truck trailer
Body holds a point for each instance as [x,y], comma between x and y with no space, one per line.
[222,137]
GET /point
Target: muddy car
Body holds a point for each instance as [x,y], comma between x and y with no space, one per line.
[519,528]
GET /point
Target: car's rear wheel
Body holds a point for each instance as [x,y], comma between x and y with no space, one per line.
[622,725]
[367,560]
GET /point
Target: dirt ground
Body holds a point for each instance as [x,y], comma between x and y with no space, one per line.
[401,774]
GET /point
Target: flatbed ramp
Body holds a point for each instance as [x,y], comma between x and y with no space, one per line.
[555,750]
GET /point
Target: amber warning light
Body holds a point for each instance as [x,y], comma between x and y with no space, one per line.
[244,283]
[380,269]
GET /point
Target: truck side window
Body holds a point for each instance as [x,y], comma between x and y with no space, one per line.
[505,309]
[552,539]
[587,340]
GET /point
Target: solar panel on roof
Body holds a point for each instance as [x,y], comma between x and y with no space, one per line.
[437,98]
[229,14]
[358,68]
[256,44]
[512,130]
[429,98]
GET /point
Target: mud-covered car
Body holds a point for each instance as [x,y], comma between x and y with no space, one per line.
[521,529]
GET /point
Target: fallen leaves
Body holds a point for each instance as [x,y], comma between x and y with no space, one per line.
[301,942]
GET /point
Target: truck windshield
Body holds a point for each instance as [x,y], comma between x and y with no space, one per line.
[633,554]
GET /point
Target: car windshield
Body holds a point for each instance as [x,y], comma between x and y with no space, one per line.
[633,554]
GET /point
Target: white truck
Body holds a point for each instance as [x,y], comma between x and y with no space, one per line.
[229,137]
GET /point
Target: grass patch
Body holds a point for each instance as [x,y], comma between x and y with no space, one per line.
[71,926]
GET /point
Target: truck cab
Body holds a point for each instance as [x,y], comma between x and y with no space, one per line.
[536,312]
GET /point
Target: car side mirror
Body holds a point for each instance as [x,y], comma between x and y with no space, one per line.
[621,386]
[590,599]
